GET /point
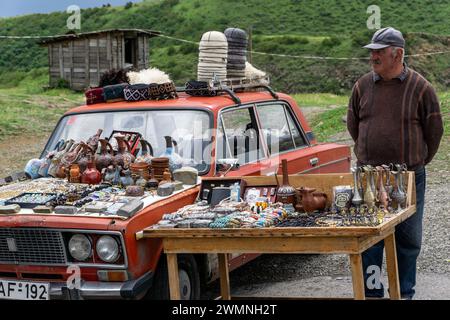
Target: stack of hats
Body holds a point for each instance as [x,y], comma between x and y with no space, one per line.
[237,52]
[213,56]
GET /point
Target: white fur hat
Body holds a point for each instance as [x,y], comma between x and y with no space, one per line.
[254,74]
[147,76]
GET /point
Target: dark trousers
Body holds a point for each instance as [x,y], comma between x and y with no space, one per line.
[408,241]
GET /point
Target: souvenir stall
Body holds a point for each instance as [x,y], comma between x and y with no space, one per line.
[318,213]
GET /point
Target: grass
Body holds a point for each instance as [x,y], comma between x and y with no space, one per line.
[29,108]
[320,99]
[329,122]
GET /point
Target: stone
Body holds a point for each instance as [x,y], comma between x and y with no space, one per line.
[131,208]
[186,175]
[12,208]
[165,189]
[66,210]
[96,208]
[43,209]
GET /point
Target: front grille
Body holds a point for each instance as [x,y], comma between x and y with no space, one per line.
[31,247]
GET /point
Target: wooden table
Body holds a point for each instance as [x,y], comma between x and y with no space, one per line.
[311,240]
[321,240]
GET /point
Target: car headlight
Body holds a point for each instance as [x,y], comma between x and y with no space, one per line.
[108,249]
[80,247]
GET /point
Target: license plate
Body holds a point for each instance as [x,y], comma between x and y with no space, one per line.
[24,290]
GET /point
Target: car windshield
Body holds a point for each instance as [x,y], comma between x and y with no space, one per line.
[191,130]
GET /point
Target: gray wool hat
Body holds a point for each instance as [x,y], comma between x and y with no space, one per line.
[386,37]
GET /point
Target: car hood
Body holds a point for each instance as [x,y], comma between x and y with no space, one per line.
[97,220]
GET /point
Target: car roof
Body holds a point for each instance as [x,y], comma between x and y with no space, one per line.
[214,104]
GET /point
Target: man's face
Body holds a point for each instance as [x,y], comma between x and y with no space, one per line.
[382,60]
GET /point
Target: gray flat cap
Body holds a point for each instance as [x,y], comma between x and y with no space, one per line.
[386,37]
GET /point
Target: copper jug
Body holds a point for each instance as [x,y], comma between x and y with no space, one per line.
[67,160]
[388,186]
[123,157]
[54,164]
[85,155]
[404,170]
[106,157]
[398,195]
[146,152]
[311,200]
[91,175]
[93,141]
[369,193]
[285,193]
[383,196]
[72,155]
[357,200]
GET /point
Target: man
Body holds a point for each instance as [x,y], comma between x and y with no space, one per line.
[394,117]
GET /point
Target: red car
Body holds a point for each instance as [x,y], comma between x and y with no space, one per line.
[254,129]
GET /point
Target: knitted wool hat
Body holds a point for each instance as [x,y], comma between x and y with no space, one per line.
[213,53]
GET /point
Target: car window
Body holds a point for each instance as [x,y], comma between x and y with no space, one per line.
[279,128]
[239,136]
[299,139]
[191,129]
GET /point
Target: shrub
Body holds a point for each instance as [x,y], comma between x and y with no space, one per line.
[11,79]
[289,40]
[171,51]
[188,48]
[331,42]
[62,84]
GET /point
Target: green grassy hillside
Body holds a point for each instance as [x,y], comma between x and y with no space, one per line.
[316,27]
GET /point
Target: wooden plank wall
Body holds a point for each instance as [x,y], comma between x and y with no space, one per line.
[142,52]
[81,62]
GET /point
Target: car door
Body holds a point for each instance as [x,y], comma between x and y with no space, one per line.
[285,138]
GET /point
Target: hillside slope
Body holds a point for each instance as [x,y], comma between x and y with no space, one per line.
[295,27]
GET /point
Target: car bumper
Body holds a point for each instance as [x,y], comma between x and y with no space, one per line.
[133,289]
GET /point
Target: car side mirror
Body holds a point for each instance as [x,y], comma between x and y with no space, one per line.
[223,166]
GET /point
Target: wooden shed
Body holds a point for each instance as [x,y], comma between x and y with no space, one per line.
[82,58]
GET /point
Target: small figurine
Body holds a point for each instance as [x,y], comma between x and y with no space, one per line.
[126,180]
[109,174]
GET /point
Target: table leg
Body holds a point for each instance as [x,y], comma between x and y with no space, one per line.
[174,281]
[392,267]
[224,277]
[357,276]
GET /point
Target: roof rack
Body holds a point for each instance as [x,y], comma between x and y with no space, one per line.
[230,86]
[226,90]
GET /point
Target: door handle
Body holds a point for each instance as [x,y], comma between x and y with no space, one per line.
[314,161]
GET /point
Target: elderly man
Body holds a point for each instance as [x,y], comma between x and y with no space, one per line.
[394,117]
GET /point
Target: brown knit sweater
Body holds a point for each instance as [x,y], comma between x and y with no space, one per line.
[394,121]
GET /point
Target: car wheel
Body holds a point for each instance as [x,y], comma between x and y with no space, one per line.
[188,274]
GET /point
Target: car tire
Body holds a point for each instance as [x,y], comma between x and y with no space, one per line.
[189,279]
